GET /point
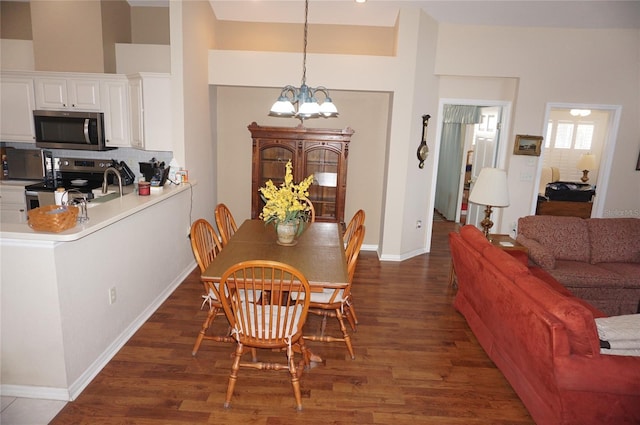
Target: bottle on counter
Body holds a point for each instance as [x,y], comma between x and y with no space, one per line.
[173,169]
[58,195]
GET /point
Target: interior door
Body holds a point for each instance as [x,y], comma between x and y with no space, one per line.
[485,154]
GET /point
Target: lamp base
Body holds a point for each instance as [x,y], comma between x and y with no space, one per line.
[585,176]
[487,223]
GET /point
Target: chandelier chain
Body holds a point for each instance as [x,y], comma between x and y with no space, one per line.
[304,49]
[304,96]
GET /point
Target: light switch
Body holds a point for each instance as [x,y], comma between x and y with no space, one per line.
[526,176]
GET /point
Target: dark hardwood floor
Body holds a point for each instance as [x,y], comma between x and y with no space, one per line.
[416,362]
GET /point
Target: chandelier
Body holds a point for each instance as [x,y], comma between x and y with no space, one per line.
[304,96]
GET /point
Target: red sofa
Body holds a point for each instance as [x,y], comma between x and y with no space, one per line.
[542,338]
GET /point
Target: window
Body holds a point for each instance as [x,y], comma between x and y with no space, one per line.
[569,135]
[584,136]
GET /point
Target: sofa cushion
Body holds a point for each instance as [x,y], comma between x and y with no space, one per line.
[614,240]
[561,289]
[566,237]
[630,272]
[584,275]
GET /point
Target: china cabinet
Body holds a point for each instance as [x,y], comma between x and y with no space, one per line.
[318,151]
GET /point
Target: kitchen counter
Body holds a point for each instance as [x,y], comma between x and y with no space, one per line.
[71,300]
[17,182]
[101,215]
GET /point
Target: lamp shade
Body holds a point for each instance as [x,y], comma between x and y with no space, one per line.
[491,188]
[587,162]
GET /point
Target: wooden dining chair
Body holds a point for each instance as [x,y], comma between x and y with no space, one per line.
[226,224]
[206,246]
[352,252]
[266,303]
[312,210]
[335,302]
[356,220]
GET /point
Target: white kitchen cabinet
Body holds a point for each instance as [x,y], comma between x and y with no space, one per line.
[13,205]
[17,103]
[79,94]
[150,96]
[115,101]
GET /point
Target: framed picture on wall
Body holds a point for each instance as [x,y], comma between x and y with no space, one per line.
[527,145]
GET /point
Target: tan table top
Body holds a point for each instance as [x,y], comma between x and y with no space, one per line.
[319,254]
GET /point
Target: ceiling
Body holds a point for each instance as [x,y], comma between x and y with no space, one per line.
[540,13]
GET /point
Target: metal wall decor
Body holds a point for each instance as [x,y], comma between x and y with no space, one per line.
[423,149]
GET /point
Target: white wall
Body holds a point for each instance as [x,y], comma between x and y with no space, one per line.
[555,65]
[134,58]
[191,39]
[16,55]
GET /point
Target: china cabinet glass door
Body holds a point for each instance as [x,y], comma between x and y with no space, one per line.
[324,165]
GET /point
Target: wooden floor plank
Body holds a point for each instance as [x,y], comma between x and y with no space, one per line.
[416,362]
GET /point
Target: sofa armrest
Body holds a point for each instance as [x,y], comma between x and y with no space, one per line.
[540,255]
[599,373]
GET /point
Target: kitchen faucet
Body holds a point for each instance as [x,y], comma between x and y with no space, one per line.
[80,202]
[105,183]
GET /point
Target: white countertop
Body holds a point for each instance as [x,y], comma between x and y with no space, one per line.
[18,182]
[101,215]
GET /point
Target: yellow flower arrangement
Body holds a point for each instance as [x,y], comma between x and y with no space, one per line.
[285,203]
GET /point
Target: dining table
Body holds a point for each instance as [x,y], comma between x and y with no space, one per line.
[318,254]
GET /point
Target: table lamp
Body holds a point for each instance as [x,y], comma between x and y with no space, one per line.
[586,163]
[490,189]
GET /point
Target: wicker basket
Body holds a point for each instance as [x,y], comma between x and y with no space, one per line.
[53,218]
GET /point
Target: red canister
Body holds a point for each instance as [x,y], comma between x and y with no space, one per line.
[144,188]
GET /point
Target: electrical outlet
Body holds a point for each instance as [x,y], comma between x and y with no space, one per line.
[112,295]
[418,224]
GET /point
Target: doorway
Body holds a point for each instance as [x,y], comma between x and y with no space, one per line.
[572,130]
[501,150]
[469,139]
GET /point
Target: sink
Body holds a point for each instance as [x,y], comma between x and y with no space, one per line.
[112,193]
[105,198]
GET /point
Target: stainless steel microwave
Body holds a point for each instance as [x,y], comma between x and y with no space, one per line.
[70,130]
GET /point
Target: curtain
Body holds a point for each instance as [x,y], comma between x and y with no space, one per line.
[451,153]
